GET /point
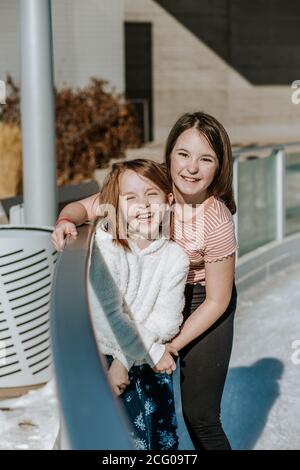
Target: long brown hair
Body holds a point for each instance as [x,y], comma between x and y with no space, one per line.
[110,192]
[219,141]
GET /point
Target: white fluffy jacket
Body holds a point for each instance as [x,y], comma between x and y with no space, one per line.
[136,297]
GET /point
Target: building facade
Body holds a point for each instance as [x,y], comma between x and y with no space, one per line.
[234,59]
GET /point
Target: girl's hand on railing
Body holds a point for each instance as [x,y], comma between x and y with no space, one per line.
[62,230]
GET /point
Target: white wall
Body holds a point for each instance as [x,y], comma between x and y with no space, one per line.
[9,39]
[87,39]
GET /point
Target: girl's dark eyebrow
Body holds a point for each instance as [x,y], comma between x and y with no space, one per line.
[204,155]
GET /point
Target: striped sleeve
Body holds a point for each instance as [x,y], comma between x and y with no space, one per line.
[220,242]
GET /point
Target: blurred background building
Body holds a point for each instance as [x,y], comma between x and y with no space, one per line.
[233,59]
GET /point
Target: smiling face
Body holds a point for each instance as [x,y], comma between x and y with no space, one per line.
[193,167]
[142,203]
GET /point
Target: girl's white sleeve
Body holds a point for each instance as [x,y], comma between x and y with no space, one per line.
[167,317]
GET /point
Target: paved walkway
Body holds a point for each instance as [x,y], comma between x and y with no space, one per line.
[261,405]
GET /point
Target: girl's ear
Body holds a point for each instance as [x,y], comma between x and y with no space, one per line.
[170,198]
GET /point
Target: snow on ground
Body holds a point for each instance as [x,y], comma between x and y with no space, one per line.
[261,405]
[30,421]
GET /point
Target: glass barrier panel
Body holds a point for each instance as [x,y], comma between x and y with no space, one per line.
[256,202]
[292,209]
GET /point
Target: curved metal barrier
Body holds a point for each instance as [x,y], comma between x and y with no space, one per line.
[92,417]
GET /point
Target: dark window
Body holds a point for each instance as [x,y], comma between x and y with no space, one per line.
[138,74]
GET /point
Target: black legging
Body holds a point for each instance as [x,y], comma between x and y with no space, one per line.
[204,365]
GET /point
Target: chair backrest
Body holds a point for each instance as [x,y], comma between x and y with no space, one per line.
[27,261]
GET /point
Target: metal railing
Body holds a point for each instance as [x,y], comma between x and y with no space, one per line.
[92,416]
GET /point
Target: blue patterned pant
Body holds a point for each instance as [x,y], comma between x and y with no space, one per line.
[149,403]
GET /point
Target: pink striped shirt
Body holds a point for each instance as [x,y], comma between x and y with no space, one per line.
[206,237]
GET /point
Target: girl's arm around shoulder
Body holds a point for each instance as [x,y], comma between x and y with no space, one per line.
[91,206]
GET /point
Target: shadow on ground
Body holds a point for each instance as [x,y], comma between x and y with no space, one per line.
[249,395]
